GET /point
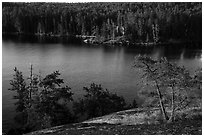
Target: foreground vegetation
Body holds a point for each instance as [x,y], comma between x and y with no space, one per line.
[106,22]
[43,102]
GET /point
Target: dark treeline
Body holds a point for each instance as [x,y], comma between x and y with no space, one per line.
[137,22]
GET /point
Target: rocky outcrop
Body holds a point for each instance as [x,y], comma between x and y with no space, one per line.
[134,121]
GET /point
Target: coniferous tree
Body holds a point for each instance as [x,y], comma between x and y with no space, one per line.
[173,84]
[42,103]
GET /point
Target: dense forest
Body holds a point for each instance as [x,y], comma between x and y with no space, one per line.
[135,22]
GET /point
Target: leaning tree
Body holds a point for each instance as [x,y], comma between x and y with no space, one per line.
[170,84]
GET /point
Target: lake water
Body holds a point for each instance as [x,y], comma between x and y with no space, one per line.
[81,65]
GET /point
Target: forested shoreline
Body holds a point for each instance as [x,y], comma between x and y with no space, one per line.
[106,22]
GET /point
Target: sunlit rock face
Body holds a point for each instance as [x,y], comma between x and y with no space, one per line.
[133,121]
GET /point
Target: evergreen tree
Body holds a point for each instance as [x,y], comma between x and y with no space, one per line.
[42,103]
[172,84]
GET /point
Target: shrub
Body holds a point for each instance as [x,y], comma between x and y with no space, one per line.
[98,102]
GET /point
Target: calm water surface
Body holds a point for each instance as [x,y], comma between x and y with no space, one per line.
[81,65]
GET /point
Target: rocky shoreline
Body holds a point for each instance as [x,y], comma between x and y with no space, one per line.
[93,40]
[134,121]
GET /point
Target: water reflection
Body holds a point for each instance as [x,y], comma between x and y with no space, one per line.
[157,53]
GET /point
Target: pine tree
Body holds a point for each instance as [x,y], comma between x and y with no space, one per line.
[43,102]
[169,80]
[19,86]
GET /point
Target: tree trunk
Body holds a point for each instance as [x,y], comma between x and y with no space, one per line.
[31,85]
[172,107]
[30,94]
[161,103]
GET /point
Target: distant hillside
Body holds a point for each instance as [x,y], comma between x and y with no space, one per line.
[145,22]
